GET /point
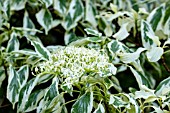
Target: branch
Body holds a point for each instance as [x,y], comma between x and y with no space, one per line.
[164,64]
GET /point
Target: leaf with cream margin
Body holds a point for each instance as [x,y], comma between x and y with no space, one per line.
[122,33]
[130,57]
[100,109]
[144,94]
[163,88]
[154,54]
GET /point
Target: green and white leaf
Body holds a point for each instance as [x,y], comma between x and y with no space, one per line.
[144,94]
[148,37]
[141,79]
[154,54]
[45,19]
[155,17]
[33,100]
[23,74]
[117,102]
[114,47]
[27,23]
[2,75]
[50,94]
[93,32]
[122,33]
[60,6]
[84,104]
[13,86]
[18,4]
[131,57]
[25,92]
[100,109]
[47,3]
[75,13]
[41,50]
[163,88]
[13,43]
[90,14]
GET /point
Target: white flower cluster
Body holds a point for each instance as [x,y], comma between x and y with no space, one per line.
[71,63]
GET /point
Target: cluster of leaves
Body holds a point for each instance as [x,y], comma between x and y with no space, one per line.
[102,43]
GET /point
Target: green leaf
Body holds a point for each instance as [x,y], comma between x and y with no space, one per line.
[143,94]
[84,104]
[70,37]
[155,16]
[90,13]
[163,88]
[154,54]
[27,23]
[93,32]
[41,50]
[18,4]
[13,43]
[60,6]
[13,86]
[100,109]
[33,100]
[75,13]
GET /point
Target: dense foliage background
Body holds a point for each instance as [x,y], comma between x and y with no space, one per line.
[89,56]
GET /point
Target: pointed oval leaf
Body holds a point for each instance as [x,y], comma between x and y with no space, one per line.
[75,13]
[18,4]
[163,88]
[154,54]
[41,50]
[100,109]
[13,86]
[13,43]
[60,6]
[45,19]
[84,104]
[33,100]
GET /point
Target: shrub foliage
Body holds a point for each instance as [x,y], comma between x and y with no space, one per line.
[89,56]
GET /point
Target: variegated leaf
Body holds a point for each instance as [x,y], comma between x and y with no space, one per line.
[130,57]
[47,3]
[85,102]
[27,23]
[70,37]
[60,6]
[163,88]
[2,75]
[13,86]
[117,102]
[148,37]
[75,13]
[13,43]
[50,94]
[154,54]
[33,100]
[41,50]
[100,109]
[90,13]
[122,33]
[141,79]
[18,4]
[25,93]
[23,74]
[93,32]
[45,19]
[155,16]
[114,46]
